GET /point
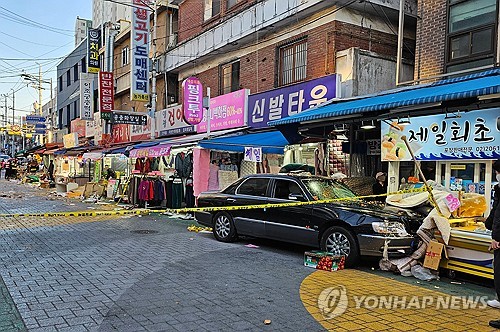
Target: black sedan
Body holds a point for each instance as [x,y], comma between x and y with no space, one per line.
[351,227]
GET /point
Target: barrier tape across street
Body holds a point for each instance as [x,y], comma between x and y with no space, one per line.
[203,209]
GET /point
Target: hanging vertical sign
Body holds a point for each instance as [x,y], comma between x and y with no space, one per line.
[86,97]
[93,45]
[193,100]
[106,94]
[140,52]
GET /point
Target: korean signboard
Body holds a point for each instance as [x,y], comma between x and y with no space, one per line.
[140,52]
[226,111]
[121,133]
[97,128]
[373,147]
[153,151]
[86,97]
[253,154]
[93,45]
[141,132]
[473,135]
[70,140]
[78,126]
[284,102]
[129,118]
[106,94]
[193,100]
[90,127]
[34,119]
[170,122]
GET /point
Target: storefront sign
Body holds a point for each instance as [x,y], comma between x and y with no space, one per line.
[373,147]
[70,140]
[106,94]
[86,97]
[153,151]
[141,132]
[129,118]
[90,128]
[226,111]
[93,45]
[78,126]
[284,102]
[193,100]
[140,52]
[170,122]
[253,154]
[34,119]
[473,135]
[121,133]
[97,128]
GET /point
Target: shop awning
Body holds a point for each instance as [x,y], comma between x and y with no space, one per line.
[270,142]
[470,86]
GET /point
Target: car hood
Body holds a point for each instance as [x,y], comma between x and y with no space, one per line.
[368,208]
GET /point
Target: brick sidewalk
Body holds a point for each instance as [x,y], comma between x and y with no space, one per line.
[367,295]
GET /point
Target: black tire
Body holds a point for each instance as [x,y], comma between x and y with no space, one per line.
[223,228]
[340,241]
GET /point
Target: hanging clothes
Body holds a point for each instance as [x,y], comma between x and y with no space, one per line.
[184,164]
[139,164]
[155,164]
[213,177]
[177,193]
[190,200]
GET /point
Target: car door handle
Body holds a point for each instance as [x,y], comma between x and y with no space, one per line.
[231,200]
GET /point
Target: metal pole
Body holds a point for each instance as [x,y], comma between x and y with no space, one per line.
[13,104]
[400,40]
[209,113]
[40,137]
[51,114]
[153,81]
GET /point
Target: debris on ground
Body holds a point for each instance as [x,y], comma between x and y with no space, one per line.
[198,229]
[251,245]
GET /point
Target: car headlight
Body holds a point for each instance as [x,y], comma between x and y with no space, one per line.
[389,228]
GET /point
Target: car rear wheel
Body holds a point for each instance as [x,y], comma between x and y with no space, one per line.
[224,229]
[340,241]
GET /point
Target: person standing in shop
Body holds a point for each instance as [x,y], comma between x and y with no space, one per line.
[493,223]
[50,170]
[380,187]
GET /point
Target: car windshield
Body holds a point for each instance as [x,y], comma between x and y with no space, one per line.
[322,189]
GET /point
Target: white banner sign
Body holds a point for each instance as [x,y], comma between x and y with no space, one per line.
[86,97]
[140,52]
[97,127]
[170,122]
[90,128]
[253,154]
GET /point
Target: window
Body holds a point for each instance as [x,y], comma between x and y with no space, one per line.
[76,113]
[322,189]
[84,65]
[125,53]
[68,116]
[75,72]
[231,3]
[60,118]
[212,8]
[284,188]
[229,77]
[68,78]
[471,34]
[254,187]
[60,83]
[293,62]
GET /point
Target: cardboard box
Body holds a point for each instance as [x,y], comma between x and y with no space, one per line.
[321,260]
[433,255]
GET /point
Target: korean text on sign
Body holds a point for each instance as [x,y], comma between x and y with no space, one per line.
[106,92]
[140,52]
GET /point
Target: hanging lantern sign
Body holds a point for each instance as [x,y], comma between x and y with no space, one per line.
[193,100]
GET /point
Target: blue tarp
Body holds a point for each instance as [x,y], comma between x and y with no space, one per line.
[474,85]
[269,141]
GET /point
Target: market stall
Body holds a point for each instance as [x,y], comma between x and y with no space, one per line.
[456,151]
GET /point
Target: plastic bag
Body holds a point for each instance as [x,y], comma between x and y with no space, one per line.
[423,273]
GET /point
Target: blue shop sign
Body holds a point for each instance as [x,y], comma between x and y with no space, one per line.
[290,100]
[472,135]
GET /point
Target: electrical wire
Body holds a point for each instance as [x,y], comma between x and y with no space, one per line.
[27,41]
[16,18]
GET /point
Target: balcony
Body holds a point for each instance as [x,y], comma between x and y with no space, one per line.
[269,14]
[122,83]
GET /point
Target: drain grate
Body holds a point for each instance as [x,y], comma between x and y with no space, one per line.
[144,231]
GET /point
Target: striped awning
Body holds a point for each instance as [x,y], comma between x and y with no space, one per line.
[474,85]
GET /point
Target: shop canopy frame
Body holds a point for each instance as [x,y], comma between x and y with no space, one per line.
[270,142]
[392,102]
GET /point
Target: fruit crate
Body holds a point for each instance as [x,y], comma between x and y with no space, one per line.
[321,260]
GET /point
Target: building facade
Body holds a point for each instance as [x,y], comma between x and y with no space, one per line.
[454,36]
[82,27]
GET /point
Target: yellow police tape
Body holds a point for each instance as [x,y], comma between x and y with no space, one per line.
[203,209]
[77,213]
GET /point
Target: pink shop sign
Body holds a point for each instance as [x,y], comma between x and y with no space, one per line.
[153,151]
[192,104]
[227,111]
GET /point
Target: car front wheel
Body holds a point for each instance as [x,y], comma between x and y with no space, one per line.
[224,229]
[340,242]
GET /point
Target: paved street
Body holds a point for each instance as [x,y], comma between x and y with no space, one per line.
[99,274]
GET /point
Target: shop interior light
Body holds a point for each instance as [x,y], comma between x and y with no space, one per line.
[341,137]
[340,128]
[367,125]
[453,115]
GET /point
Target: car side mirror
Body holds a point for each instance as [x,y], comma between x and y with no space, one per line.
[296,197]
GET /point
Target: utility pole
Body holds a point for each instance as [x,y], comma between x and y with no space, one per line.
[51,114]
[40,137]
[13,105]
[401,30]
[153,81]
